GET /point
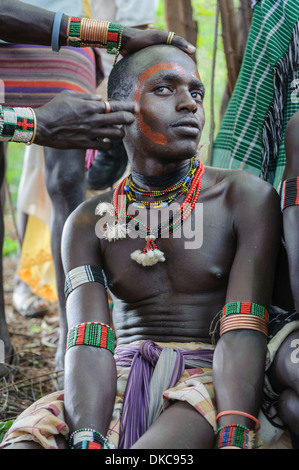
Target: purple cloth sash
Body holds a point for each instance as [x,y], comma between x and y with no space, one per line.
[154,369]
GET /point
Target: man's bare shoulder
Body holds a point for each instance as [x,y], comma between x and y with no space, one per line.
[243,186]
[88,208]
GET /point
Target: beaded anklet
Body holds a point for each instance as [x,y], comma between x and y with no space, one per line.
[235,435]
[91,334]
[290,193]
[82,275]
[86,438]
[17,124]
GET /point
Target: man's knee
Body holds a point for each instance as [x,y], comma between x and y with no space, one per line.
[288,409]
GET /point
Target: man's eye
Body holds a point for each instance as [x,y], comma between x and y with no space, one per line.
[163,89]
[197,95]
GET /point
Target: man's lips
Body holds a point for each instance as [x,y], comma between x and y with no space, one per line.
[187,126]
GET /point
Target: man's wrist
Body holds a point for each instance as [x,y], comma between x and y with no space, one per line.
[86,438]
[17,124]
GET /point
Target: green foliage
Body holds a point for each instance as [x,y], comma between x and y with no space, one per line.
[204,12]
[15,158]
[10,247]
[3,428]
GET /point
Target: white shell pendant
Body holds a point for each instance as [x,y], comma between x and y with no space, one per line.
[150,255]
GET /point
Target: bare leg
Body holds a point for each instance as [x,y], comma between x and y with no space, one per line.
[4,335]
[284,378]
[65,181]
[179,427]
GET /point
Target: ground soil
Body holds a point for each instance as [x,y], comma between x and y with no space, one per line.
[34,374]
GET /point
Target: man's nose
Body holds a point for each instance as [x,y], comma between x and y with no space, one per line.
[186,101]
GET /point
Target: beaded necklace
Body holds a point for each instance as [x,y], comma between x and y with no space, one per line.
[133,192]
[151,255]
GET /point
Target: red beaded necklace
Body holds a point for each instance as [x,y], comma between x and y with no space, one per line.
[150,255]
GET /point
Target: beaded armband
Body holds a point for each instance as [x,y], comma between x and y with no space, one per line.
[244,315]
[82,275]
[17,124]
[88,439]
[235,435]
[85,32]
[91,334]
[290,193]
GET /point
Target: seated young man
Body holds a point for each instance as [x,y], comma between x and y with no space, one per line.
[182,248]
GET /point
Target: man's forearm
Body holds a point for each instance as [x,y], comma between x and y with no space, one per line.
[291,230]
[238,375]
[27,24]
[90,388]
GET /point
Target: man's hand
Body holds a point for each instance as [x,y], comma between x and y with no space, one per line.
[134,39]
[78,120]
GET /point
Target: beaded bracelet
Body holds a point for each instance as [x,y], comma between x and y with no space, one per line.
[55,31]
[86,438]
[91,334]
[240,413]
[244,315]
[235,435]
[85,32]
[17,124]
[289,193]
[246,322]
[83,275]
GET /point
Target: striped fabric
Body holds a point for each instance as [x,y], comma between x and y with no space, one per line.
[251,136]
[33,75]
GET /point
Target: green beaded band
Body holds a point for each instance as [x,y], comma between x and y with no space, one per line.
[91,334]
[235,435]
[74,32]
[249,308]
[113,37]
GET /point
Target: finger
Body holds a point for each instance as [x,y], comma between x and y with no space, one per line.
[182,44]
[112,106]
[102,144]
[114,119]
[110,132]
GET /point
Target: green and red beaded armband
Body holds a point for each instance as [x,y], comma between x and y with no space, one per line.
[91,334]
[249,308]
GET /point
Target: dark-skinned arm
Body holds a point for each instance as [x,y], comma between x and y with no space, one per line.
[90,372]
[23,23]
[239,361]
[291,214]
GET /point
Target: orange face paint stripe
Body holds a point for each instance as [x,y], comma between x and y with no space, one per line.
[145,129]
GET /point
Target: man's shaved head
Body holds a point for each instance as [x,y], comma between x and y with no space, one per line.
[125,74]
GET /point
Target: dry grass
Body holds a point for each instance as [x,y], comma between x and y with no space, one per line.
[34,374]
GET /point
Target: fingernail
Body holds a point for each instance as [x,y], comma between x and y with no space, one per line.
[136,108]
[191,48]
